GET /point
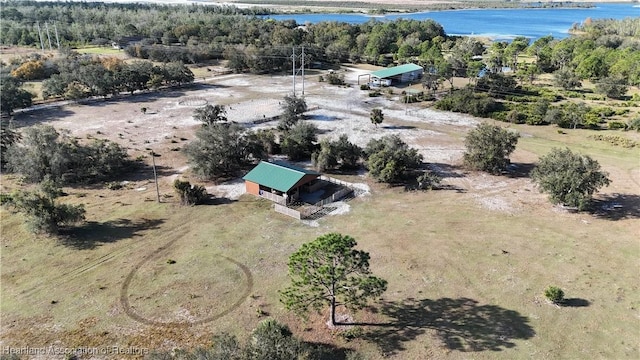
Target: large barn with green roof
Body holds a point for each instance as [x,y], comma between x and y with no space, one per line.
[397,75]
[278,181]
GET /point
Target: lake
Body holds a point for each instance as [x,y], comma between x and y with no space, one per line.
[498,24]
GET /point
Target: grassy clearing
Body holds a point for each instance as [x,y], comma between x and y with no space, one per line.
[483,270]
[100,50]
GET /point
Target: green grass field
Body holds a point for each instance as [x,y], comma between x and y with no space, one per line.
[100,50]
[464,281]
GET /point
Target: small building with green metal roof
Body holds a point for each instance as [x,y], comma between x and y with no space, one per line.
[397,74]
[278,181]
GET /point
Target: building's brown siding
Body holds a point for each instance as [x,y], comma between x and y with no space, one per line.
[252,188]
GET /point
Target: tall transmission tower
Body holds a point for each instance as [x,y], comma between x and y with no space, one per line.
[46,26]
[295,70]
[55,27]
[40,35]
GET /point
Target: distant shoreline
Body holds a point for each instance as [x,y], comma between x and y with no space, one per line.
[370,6]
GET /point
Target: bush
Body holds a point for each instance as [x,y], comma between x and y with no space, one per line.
[554,294]
[465,101]
[6,199]
[614,125]
[335,79]
[428,180]
[364,87]
[352,333]
[221,150]
[43,214]
[634,124]
[190,194]
[336,154]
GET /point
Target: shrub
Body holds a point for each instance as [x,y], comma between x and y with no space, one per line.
[465,101]
[364,87]
[190,194]
[44,214]
[335,79]
[614,125]
[554,294]
[428,180]
[6,199]
[352,333]
[634,124]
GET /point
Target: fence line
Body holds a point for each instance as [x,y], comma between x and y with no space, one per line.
[335,181]
[309,210]
[288,211]
[334,197]
[273,197]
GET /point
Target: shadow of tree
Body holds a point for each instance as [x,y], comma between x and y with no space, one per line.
[92,233]
[617,206]
[322,351]
[35,117]
[398,127]
[460,324]
[446,170]
[520,170]
[575,302]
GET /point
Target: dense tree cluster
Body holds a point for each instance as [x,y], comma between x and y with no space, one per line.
[13,95]
[605,52]
[43,152]
[222,149]
[194,33]
[338,154]
[78,77]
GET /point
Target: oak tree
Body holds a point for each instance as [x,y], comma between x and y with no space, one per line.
[570,179]
[488,148]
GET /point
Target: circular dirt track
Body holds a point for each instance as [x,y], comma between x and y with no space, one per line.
[149,320]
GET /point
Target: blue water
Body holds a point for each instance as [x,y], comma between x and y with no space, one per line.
[494,23]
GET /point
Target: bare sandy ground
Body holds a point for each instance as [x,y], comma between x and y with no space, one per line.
[168,125]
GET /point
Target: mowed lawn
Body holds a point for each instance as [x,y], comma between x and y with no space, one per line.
[465,281]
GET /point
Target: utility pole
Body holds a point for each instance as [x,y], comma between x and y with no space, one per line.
[55,27]
[46,26]
[294,70]
[303,71]
[155,174]
[40,35]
